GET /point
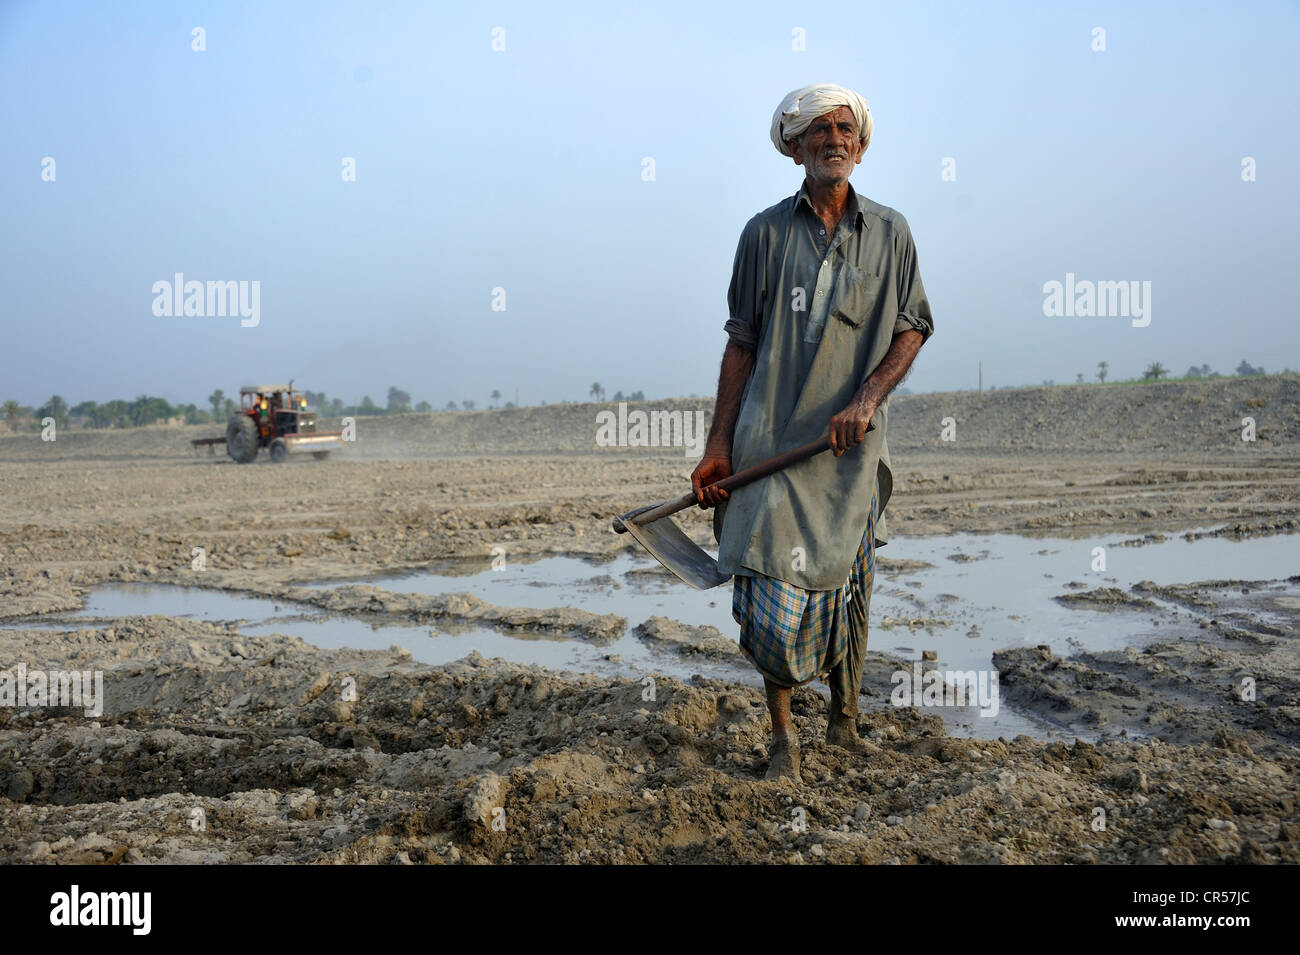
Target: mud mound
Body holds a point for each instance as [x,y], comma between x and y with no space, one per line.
[216,747]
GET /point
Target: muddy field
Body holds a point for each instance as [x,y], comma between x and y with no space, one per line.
[217,746]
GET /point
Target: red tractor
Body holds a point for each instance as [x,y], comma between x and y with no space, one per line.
[276,417]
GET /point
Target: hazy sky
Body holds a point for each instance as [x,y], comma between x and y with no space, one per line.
[523,170]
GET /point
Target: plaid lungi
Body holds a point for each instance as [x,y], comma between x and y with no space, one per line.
[794,635]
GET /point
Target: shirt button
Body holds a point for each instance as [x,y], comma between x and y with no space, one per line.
[825,262]
[821,231]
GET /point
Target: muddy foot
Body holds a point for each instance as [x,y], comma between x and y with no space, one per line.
[785,760]
[845,735]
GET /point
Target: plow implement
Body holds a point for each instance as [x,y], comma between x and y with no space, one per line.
[209,443]
[315,443]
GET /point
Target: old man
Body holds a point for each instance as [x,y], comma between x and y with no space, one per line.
[827,313]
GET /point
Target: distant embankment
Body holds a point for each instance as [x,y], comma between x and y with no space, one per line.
[1173,416]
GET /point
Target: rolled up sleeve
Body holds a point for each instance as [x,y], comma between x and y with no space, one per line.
[913,306]
[748,291]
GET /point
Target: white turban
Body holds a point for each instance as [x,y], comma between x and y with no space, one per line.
[802,106]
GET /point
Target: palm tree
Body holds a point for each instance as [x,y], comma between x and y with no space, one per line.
[597,391]
[1102,368]
[1155,371]
[56,408]
[496,396]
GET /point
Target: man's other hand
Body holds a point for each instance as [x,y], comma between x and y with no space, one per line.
[849,428]
[711,469]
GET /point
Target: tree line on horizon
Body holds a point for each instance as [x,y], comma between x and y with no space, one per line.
[1156,371]
[146,409]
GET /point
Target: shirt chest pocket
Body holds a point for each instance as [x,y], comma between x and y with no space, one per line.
[857,292]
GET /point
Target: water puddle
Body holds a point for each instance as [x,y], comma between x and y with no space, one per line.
[260,616]
[987,592]
[962,596]
[979,593]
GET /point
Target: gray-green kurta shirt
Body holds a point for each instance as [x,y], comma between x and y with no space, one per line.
[819,324]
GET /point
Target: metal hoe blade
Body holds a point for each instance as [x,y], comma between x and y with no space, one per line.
[672,548]
[669,545]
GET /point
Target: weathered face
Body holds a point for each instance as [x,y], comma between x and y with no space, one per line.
[829,148]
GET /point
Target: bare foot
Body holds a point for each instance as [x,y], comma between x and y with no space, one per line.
[784,760]
[844,734]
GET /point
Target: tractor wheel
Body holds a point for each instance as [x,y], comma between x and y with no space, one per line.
[241,439]
[320,455]
[279,450]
